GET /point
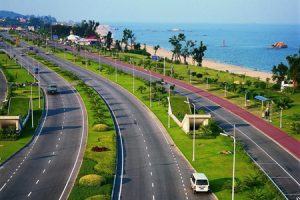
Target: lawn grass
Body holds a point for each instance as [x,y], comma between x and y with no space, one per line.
[179,107]
[19,105]
[100,163]
[218,167]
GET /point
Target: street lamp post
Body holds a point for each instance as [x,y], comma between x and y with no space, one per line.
[169,120]
[233,167]
[164,65]
[246,99]
[116,71]
[207,83]
[281,109]
[150,92]
[194,131]
[132,76]
[31,106]
[39,83]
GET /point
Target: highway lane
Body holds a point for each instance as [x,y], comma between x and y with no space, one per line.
[48,166]
[282,168]
[3,87]
[153,166]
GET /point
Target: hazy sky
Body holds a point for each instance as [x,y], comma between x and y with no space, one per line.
[192,11]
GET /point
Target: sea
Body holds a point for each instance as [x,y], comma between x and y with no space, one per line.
[245,45]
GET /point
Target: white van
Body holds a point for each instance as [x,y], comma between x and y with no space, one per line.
[199,183]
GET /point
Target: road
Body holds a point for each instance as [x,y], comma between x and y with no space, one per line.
[275,153]
[3,87]
[48,166]
[153,168]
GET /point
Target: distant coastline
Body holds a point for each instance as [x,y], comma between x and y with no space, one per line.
[217,65]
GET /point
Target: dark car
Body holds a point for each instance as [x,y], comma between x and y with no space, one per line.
[36,70]
[52,88]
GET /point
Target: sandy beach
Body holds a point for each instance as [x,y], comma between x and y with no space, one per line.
[216,65]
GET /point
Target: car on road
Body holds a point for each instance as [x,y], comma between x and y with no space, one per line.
[52,89]
[199,183]
[36,70]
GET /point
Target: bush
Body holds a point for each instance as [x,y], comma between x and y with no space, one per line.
[98,197]
[100,127]
[296,127]
[90,180]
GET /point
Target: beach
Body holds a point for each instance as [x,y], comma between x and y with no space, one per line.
[216,65]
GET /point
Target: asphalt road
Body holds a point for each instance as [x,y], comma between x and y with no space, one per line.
[3,87]
[152,166]
[282,167]
[48,166]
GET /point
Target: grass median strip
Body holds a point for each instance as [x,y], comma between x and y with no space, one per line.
[19,92]
[96,175]
[210,156]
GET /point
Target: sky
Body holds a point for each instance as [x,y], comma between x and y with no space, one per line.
[161,11]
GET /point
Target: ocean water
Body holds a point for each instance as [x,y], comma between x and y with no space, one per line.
[247,45]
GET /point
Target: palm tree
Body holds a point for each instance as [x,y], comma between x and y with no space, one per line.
[176,43]
[198,53]
[155,49]
[187,50]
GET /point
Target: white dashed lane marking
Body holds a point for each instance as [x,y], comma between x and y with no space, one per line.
[29,194]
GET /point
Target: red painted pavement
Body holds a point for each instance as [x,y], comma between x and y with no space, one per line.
[280,137]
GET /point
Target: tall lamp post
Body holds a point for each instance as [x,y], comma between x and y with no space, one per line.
[194,132]
[31,105]
[132,76]
[233,165]
[150,90]
[164,65]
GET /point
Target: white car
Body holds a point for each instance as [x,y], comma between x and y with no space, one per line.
[199,183]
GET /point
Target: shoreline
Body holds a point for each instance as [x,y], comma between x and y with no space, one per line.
[216,65]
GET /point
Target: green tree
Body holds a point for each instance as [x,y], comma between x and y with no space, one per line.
[155,49]
[198,53]
[108,40]
[187,50]
[280,73]
[294,68]
[118,46]
[176,42]
[141,89]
